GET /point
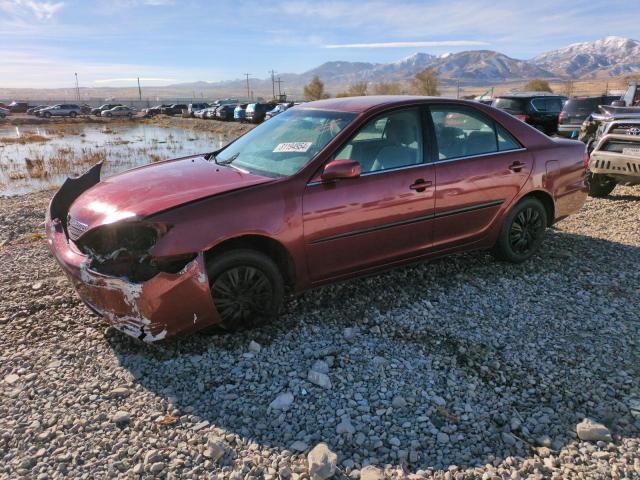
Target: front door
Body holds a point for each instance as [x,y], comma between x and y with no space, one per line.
[480,168]
[385,214]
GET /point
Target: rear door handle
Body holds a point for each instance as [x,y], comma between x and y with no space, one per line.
[420,185]
[516,166]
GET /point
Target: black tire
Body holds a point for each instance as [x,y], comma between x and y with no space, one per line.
[73,114]
[46,114]
[600,185]
[130,115]
[522,232]
[232,275]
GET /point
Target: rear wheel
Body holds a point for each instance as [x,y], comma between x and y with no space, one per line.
[73,114]
[522,232]
[246,286]
[46,114]
[600,185]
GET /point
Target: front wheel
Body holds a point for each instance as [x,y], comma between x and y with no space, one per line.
[246,286]
[522,232]
[600,185]
[73,114]
[46,114]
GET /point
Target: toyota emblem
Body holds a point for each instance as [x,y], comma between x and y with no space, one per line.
[633,131]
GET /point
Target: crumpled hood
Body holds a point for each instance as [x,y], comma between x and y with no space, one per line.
[150,189]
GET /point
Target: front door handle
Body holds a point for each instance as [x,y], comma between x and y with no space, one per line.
[420,185]
[516,166]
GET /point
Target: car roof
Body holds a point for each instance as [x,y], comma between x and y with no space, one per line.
[362,104]
[528,95]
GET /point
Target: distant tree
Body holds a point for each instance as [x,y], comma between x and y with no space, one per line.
[314,90]
[426,82]
[538,85]
[387,88]
[358,89]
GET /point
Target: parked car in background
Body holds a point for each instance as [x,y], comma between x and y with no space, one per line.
[281,209]
[279,108]
[173,109]
[33,110]
[61,110]
[239,113]
[256,112]
[107,106]
[200,113]
[18,107]
[576,110]
[210,112]
[538,109]
[196,107]
[119,111]
[151,111]
[225,112]
[4,112]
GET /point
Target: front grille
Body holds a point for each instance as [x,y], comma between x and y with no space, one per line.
[76,228]
[626,129]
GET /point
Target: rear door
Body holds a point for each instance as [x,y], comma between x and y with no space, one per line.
[479,168]
[384,215]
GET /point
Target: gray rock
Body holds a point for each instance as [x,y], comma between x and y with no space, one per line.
[216,448]
[282,401]
[321,462]
[320,379]
[398,402]
[11,379]
[298,446]
[156,468]
[345,426]
[320,366]
[442,437]
[254,347]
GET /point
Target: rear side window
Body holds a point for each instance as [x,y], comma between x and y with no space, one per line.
[464,132]
[582,105]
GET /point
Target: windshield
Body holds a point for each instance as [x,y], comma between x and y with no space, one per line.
[286,143]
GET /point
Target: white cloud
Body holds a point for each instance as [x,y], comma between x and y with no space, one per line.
[28,9]
[444,43]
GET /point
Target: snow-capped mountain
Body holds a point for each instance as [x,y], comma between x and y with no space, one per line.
[610,56]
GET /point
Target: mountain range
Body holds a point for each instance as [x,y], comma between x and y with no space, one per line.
[608,57]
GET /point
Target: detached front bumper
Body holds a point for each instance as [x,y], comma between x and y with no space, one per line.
[168,304]
[625,168]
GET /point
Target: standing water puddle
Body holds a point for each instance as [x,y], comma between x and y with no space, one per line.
[36,158]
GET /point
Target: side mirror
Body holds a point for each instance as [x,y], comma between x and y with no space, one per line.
[618,103]
[341,169]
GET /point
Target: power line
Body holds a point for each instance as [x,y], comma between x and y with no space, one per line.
[273,83]
[248,90]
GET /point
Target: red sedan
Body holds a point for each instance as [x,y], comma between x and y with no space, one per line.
[325,191]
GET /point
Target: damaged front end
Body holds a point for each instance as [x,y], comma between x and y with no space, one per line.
[115,274]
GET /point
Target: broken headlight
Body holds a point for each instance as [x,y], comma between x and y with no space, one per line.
[122,250]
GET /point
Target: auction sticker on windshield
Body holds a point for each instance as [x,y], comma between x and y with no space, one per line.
[300,147]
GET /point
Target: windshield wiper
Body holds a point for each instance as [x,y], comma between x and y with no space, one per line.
[227,161]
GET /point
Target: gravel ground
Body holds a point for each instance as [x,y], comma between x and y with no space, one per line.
[458,368]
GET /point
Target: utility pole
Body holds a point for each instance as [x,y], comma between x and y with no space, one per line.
[279,82]
[273,83]
[77,88]
[248,90]
[458,94]
[139,90]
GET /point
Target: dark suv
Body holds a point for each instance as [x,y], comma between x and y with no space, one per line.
[255,112]
[174,109]
[576,111]
[538,109]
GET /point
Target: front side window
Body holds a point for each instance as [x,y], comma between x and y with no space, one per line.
[392,140]
[286,143]
[462,132]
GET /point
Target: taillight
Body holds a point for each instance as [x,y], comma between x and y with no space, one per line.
[561,117]
[585,158]
[524,118]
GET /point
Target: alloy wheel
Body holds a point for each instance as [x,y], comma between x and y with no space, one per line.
[526,228]
[241,293]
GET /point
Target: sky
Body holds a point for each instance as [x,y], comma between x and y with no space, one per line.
[112,42]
